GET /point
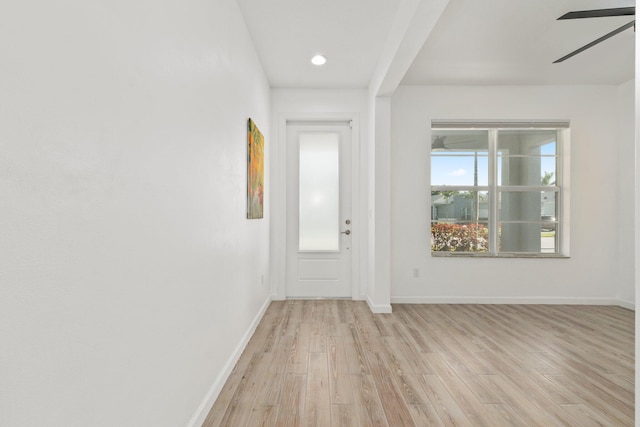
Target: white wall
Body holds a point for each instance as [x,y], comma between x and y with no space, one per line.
[302,103]
[128,272]
[379,176]
[590,275]
[636,117]
[626,200]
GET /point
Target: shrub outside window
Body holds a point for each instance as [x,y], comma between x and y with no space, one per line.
[497,188]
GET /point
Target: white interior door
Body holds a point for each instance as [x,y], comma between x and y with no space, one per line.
[319,238]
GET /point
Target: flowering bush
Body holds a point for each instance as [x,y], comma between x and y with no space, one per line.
[459,237]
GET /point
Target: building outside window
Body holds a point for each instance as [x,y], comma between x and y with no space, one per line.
[499,189]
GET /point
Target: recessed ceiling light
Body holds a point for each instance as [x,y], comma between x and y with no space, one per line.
[319,60]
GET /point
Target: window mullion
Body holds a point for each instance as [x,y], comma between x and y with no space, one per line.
[561,158]
[493,193]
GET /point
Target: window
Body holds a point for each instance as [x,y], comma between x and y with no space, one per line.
[497,188]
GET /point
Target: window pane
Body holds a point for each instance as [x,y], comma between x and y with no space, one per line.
[527,157]
[319,192]
[459,221]
[459,140]
[526,237]
[528,221]
[459,157]
[459,206]
[460,170]
[459,237]
[527,142]
[527,205]
[526,170]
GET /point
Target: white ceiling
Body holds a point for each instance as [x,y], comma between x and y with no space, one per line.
[516,42]
[350,33]
[473,42]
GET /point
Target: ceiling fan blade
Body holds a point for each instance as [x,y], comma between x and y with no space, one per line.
[595,42]
[598,13]
[468,141]
[438,142]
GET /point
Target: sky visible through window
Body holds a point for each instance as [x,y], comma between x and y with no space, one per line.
[457,167]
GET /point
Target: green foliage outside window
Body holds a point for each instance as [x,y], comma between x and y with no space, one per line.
[459,237]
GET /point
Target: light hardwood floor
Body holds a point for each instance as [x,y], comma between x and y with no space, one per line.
[334,363]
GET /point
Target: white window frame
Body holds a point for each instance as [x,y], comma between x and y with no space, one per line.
[562,127]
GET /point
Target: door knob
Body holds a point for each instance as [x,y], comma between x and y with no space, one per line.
[347,232]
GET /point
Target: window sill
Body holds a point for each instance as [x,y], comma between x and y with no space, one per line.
[501,255]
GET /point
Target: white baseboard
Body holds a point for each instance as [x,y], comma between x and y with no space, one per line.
[627,305]
[378,308]
[511,300]
[215,389]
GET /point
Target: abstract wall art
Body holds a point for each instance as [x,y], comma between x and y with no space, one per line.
[255,171]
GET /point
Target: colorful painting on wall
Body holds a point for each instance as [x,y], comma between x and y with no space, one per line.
[255,171]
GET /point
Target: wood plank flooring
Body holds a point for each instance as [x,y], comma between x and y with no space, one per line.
[334,363]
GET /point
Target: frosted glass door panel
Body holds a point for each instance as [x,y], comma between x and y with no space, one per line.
[319,192]
[318,206]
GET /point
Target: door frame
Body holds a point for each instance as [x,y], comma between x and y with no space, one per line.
[279,217]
